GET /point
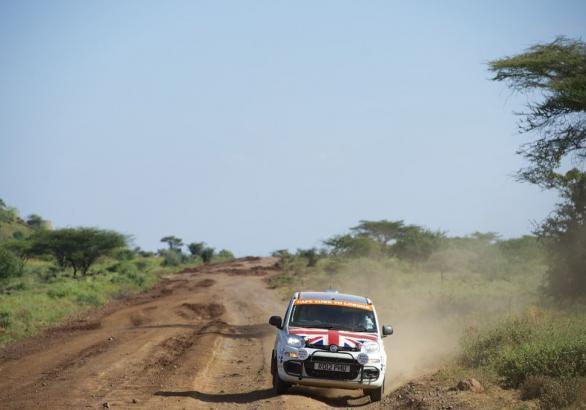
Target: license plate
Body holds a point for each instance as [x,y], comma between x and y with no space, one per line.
[332,367]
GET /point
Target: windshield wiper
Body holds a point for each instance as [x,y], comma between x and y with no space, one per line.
[360,329]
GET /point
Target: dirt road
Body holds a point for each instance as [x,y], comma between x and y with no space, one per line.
[197,340]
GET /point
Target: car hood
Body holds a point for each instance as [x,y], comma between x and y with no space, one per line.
[327,337]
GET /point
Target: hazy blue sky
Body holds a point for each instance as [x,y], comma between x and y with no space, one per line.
[258,125]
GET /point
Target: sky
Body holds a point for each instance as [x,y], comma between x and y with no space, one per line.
[261,125]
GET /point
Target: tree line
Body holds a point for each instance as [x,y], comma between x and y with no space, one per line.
[481,252]
[78,249]
[174,254]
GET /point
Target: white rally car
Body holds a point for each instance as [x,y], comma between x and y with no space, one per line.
[328,339]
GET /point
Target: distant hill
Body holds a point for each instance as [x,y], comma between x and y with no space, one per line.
[12,226]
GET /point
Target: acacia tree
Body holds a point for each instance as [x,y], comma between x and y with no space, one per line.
[564,234]
[174,243]
[417,244]
[77,248]
[351,246]
[196,248]
[555,75]
[381,231]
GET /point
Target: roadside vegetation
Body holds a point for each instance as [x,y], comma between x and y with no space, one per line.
[47,275]
[481,303]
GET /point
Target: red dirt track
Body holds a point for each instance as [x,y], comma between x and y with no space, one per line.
[199,339]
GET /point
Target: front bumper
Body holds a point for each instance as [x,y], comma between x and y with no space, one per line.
[304,372]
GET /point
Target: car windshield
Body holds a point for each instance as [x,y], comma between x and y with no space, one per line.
[333,317]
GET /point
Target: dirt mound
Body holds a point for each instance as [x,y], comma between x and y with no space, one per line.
[79,325]
[201,311]
[169,352]
[248,259]
[139,318]
[205,283]
[423,394]
[254,271]
[249,332]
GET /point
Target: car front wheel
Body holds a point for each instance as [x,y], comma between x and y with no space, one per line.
[279,386]
[376,394]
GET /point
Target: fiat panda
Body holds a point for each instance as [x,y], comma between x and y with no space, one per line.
[329,339]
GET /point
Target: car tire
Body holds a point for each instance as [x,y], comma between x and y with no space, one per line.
[377,394]
[279,386]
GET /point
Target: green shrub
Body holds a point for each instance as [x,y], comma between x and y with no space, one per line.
[552,393]
[57,293]
[207,254]
[546,346]
[5,319]
[564,356]
[123,255]
[482,348]
[125,268]
[10,264]
[225,255]
[130,277]
[172,258]
[141,264]
[196,248]
[137,278]
[89,298]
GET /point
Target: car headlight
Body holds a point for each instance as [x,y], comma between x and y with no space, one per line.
[371,348]
[295,341]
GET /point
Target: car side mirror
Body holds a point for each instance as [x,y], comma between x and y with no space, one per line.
[276,321]
[387,330]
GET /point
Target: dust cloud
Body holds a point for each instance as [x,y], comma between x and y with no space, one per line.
[429,311]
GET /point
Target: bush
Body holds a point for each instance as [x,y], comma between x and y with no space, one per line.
[89,298]
[196,248]
[551,346]
[59,292]
[10,264]
[124,255]
[141,264]
[562,357]
[137,279]
[5,319]
[171,258]
[207,254]
[124,268]
[552,393]
[482,348]
[225,255]
[310,254]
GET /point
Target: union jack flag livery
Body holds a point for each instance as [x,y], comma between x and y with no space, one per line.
[340,338]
